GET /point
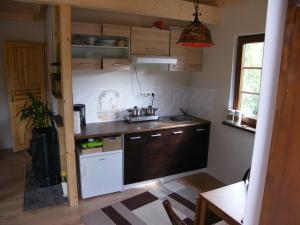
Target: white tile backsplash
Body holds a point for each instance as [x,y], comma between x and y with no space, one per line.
[108,95]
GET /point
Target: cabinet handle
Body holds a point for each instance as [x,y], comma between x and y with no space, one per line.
[177,132]
[83,170]
[200,129]
[178,66]
[155,135]
[101,159]
[135,138]
[117,64]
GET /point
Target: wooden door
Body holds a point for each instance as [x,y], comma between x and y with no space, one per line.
[25,72]
[149,41]
[281,201]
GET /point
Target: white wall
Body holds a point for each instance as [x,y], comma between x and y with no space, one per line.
[272,57]
[13,31]
[231,149]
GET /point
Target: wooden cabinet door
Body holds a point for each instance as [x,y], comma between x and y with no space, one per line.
[194,59]
[86,28]
[116,64]
[149,41]
[115,30]
[25,73]
[86,64]
[157,156]
[178,139]
[197,147]
[134,158]
[177,51]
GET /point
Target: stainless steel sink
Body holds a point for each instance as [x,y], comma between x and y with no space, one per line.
[182,118]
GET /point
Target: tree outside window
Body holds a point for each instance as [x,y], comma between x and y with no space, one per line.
[248,76]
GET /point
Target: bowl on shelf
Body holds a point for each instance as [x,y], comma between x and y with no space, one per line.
[91,40]
[106,42]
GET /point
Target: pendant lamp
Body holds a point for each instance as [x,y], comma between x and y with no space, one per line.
[196,34]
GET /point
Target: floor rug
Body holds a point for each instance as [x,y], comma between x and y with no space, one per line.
[39,197]
[147,208]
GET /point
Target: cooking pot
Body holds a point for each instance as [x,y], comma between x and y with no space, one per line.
[150,111]
[135,112]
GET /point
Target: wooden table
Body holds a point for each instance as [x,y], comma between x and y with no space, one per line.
[227,203]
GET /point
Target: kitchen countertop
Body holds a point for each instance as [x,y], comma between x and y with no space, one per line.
[123,127]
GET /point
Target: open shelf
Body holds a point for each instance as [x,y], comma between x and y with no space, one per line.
[99,46]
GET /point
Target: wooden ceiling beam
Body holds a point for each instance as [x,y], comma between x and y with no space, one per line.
[168,9]
[12,10]
[218,3]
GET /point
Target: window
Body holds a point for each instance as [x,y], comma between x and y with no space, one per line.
[248,76]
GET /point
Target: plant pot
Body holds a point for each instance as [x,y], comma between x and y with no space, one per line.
[45,156]
[64,186]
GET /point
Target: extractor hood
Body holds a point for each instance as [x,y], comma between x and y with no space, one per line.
[145,59]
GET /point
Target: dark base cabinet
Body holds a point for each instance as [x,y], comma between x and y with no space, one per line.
[150,155]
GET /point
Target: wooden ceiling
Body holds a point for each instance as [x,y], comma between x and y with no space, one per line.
[18,10]
[13,10]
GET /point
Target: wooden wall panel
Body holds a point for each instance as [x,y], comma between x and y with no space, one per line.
[281,202]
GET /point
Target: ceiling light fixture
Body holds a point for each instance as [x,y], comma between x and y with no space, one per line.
[196,34]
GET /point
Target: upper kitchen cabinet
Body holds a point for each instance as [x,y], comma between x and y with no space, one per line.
[86,28]
[108,44]
[149,41]
[177,51]
[194,59]
[116,30]
[188,58]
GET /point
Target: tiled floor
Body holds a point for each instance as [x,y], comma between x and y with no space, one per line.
[12,188]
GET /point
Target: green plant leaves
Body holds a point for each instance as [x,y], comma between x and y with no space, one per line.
[35,113]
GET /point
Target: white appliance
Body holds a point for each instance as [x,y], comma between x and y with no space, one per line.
[143,59]
[100,173]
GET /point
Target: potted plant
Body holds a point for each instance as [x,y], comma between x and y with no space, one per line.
[44,147]
[64,183]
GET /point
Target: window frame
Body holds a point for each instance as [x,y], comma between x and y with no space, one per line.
[245,39]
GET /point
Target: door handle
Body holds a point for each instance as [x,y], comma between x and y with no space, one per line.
[83,169]
[177,132]
[155,135]
[135,138]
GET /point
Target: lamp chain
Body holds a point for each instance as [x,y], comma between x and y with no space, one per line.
[196,13]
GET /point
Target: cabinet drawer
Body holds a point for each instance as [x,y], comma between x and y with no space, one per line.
[112,143]
[149,41]
[116,64]
[86,64]
[116,30]
[86,28]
